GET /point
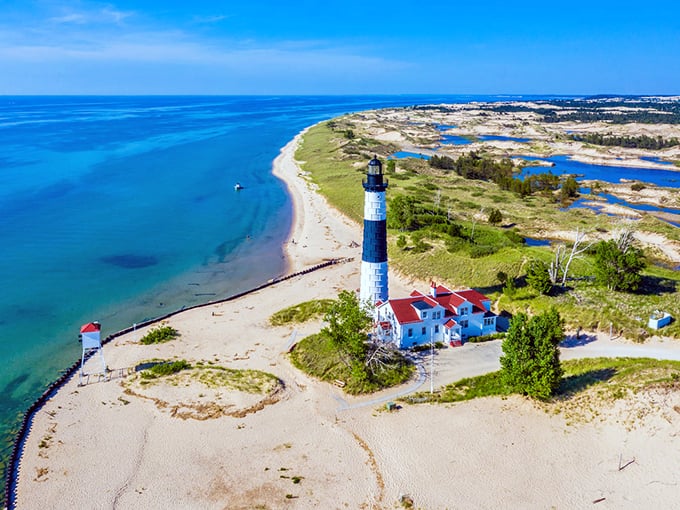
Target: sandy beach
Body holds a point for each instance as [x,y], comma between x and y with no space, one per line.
[119,444]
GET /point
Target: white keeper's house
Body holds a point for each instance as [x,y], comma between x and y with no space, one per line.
[441,316]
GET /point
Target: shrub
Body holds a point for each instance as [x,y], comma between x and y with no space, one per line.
[159,335]
[495,216]
[301,312]
[164,368]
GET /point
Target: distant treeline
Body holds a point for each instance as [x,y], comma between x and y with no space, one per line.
[645,111]
[474,166]
[638,142]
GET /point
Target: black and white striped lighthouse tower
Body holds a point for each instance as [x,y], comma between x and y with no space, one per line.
[374,254]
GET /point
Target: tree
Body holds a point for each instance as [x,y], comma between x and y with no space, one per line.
[569,189]
[618,265]
[559,266]
[401,241]
[509,289]
[538,277]
[391,167]
[495,216]
[401,214]
[348,324]
[348,328]
[502,277]
[530,364]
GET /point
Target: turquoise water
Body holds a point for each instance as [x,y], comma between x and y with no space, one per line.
[119,209]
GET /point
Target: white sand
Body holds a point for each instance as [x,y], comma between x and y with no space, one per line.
[98,447]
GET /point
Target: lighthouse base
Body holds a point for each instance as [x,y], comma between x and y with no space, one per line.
[373,282]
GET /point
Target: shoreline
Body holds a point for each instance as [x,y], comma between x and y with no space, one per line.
[140,449]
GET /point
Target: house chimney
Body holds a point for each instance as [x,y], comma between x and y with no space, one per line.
[433,289]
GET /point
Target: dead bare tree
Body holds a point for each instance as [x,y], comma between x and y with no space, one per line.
[559,266]
[380,355]
[474,224]
[437,199]
[624,238]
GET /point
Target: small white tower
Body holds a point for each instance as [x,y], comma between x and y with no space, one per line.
[90,336]
[374,251]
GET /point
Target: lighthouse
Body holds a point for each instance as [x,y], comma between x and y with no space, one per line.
[374,253]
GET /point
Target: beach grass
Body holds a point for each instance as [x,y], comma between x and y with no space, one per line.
[181,372]
[609,379]
[159,335]
[302,312]
[318,356]
[336,165]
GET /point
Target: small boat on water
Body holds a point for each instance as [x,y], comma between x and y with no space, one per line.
[238,187]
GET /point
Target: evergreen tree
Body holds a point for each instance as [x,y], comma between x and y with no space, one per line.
[495,216]
[538,277]
[530,363]
[617,268]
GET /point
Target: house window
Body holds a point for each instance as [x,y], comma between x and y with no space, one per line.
[488,321]
[462,310]
[464,324]
[436,328]
[424,315]
[422,331]
[410,331]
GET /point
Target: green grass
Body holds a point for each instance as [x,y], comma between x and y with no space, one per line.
[301,312]
[612,377]
[158,335]
[337,166]
[316,355]
[164,368]
[210,376]
[249,381]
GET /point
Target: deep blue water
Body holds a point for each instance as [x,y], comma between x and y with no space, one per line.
[585,203]
[501,138]
[614,174]
[456,140]
[656,159]
[406,154]
[122,208]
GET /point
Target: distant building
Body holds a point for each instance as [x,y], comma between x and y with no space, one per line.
[659,319]
[441,316]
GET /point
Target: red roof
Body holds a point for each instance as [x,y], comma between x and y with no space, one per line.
[474,297]
[404,310]
[90,327]
[450,323]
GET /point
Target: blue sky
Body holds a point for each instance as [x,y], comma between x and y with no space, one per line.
[347,47]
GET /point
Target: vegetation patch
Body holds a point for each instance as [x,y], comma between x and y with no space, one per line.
[464,220]
[301,312]
[587,388]
[159,335]
[164,368]
[202,391]
[316,355]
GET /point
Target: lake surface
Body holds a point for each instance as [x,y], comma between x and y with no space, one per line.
[406,154]
[613,174]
